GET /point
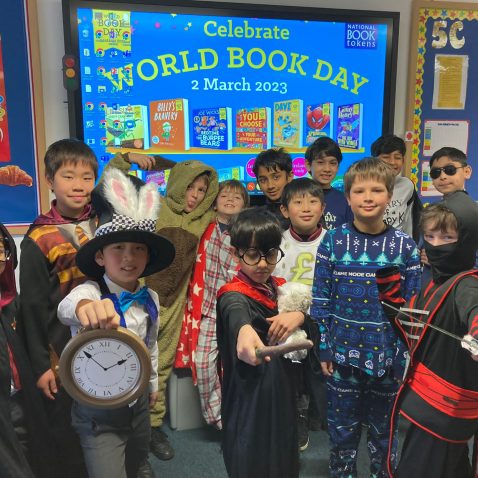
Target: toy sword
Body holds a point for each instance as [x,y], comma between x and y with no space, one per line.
[467,342]
[273,350]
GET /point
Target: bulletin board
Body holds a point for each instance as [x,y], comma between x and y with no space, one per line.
[443,89]
[23,193]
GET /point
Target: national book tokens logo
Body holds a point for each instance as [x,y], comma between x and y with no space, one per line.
[360,35]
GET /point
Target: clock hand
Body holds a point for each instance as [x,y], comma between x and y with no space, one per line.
[119,362]
[89,356]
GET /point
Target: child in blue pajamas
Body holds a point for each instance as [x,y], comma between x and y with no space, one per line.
[359,350]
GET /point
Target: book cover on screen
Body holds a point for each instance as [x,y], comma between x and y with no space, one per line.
[253,128]
[319,122]
[127,127]
[169,124]
[288,124]
[234,172]
[212,128]
[350,125]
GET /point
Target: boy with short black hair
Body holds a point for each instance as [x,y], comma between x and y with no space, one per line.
[259,436]
[273,170]
[449,169]
[404,209]
[48,272]
[125,247]
[303,204]
[358,349]
[323,159]
[440,393]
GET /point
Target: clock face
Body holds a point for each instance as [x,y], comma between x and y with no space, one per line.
[106,368]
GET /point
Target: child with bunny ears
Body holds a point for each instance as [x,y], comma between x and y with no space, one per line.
[125,248]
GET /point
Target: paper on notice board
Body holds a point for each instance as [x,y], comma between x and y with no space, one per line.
[440,133]
[451,77]
[426,184]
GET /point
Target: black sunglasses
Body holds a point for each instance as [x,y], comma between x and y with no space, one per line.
[449,170]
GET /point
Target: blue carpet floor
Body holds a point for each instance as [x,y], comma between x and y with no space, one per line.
[198,455]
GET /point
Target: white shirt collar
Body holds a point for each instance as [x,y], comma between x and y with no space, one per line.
[115,288]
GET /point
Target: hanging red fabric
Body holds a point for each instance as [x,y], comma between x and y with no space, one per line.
[192,313]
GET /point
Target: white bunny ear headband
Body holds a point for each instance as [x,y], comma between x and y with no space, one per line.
[133,206]
[127,210]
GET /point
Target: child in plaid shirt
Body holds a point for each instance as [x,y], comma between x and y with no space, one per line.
[197,347]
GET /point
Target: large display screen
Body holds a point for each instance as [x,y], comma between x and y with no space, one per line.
[222,82]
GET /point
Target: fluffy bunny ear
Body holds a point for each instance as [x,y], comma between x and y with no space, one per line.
[149,202]
[120,193]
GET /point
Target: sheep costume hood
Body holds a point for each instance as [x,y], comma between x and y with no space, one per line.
[183,229]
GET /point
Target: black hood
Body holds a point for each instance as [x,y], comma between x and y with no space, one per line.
[450,259]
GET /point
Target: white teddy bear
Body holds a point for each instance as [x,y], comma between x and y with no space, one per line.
[292,297]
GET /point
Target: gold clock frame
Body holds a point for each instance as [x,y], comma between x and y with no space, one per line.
[121,334]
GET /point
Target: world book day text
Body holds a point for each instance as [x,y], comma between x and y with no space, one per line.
[185,61]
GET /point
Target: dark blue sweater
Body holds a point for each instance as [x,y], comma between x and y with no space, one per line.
[337,211]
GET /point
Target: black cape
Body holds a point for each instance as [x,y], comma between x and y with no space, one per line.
[13,462]
[258,411]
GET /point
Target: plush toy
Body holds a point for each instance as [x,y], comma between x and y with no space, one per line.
[292,297]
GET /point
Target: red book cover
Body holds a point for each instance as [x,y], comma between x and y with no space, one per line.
[169,126]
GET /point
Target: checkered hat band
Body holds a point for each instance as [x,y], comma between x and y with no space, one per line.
[126,223]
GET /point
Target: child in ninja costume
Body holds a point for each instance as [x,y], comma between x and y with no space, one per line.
[439,396]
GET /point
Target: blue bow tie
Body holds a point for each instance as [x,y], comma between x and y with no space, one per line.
[126,298]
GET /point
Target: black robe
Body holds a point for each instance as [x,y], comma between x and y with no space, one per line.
[258,411]
[13,461]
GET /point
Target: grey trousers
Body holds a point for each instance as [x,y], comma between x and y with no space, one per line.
[114,442]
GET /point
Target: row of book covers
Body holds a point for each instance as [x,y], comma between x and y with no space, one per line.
[170,126]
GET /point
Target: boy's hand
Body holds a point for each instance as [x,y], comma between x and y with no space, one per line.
[153,398]
[327,368]
[247,343]
[142,160]
[96,314]
[283,325]
[47,384]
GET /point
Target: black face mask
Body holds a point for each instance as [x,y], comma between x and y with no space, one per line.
[448,259]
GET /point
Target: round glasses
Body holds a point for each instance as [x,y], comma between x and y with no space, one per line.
[253,256]
[449,170]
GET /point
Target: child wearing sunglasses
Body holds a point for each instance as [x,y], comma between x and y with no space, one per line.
[259,413]
[449,170]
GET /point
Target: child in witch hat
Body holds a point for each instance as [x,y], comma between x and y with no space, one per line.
[125,248]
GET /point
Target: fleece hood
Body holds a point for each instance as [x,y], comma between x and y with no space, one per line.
[172,210]
[180,177]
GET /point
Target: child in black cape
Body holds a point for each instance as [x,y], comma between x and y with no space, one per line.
[258,397]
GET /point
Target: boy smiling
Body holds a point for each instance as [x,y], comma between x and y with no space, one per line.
[358,348]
